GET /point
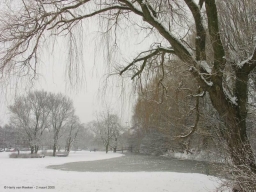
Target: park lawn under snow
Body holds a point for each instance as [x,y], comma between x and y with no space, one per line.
[15,173]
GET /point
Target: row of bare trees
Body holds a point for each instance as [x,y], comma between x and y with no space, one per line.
[40,115]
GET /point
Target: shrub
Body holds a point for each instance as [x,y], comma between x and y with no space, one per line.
[59,154]
[63,154]
[24,155]
[45,153]
[239,178]
[244,178]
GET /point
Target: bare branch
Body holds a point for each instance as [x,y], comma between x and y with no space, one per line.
[145,58]
[64,22]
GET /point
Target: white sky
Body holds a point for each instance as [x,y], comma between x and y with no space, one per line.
[88,98]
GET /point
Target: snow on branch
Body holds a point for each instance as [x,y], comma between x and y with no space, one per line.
[201,75]
[209,83]
[240,65]
[232,99]
[250,63]
[204,65]
[199,94]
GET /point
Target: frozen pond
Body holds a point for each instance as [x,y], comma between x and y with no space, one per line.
[144,163]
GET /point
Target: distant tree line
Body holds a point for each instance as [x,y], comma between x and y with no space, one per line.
[41,120]
[11,137]
[106,131]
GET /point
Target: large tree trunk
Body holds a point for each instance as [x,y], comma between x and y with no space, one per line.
[234,132]
[241,154]
[238,144]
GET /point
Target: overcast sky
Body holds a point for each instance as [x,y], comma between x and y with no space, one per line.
[87,96]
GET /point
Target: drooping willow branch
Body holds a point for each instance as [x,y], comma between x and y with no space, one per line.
[194,127]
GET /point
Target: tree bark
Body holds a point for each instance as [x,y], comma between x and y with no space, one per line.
[234,131]
[68,147]
[54,149]
[36,148]
[31,149]
[106,148]
[68,144]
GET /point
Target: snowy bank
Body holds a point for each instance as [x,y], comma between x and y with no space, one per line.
[32,175]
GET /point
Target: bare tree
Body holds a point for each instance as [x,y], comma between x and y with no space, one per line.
[108,127]
[85,139]
[61,111]
[31,113]
[71,131]
[232,43]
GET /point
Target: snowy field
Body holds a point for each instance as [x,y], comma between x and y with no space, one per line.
[32,175]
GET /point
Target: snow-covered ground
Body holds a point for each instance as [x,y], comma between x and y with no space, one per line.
[199,156]
[32,175]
